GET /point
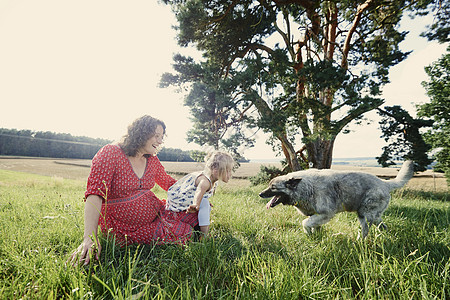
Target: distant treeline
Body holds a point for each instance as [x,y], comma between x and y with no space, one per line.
[63,145]
[171,154]
[48,144]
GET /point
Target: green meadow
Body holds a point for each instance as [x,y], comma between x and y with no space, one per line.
[254,253]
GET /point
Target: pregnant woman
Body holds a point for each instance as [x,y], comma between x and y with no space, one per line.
[119,197]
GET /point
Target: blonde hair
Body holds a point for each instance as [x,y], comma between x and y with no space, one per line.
[220,161]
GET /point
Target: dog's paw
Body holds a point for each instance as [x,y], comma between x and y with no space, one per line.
[307,230]
[316,229]
[382,226]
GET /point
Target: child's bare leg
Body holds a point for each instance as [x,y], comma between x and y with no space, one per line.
[204,230]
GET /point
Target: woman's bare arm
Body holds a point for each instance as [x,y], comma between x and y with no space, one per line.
[84,253]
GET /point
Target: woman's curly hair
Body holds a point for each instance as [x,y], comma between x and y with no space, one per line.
[139,132]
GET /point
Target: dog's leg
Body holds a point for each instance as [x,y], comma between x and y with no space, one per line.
[370,213]
[314,222]
[382,226]
[364,226]
[369,220]
[375,219]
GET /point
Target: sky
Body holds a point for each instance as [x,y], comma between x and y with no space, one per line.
[89,68]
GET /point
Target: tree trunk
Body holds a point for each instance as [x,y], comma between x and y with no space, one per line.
[290,154]
[320,153]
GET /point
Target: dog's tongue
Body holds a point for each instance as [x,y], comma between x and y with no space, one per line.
[269,204]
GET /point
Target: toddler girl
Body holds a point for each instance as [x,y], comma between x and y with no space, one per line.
[191,193]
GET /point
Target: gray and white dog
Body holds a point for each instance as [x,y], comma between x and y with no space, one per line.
[320,194]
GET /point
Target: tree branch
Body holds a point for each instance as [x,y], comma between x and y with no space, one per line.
[361,8]
[308,4]
[218,19]
[243,52]
[355,113]
[241,116]
[286,36]
[331,34]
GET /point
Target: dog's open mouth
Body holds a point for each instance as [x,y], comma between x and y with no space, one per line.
[273,202]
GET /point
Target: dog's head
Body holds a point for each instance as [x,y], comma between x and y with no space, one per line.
[280,189]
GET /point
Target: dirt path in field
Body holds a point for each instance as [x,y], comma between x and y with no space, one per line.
[79,169]
[65,168]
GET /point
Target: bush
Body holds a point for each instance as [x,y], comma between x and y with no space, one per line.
[265,174]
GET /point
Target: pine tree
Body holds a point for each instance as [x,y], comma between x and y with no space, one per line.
[301,70]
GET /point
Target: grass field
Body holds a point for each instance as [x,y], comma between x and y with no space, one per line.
[255,253]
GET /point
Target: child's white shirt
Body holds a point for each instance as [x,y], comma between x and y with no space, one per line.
[181,194]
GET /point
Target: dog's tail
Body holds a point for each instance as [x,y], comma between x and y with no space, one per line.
[404,175]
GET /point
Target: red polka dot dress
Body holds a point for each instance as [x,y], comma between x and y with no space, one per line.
[130,210]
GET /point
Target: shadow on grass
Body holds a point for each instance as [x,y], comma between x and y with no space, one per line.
[241,253]
[429,219]
[130,271]
[426,195]
[419,230]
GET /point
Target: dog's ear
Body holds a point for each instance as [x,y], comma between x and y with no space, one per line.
[293,182]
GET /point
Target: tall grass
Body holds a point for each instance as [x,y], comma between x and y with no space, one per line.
[254,253]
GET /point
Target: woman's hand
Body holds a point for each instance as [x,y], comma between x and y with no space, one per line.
[193,208]
[84,253]
[88,247]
